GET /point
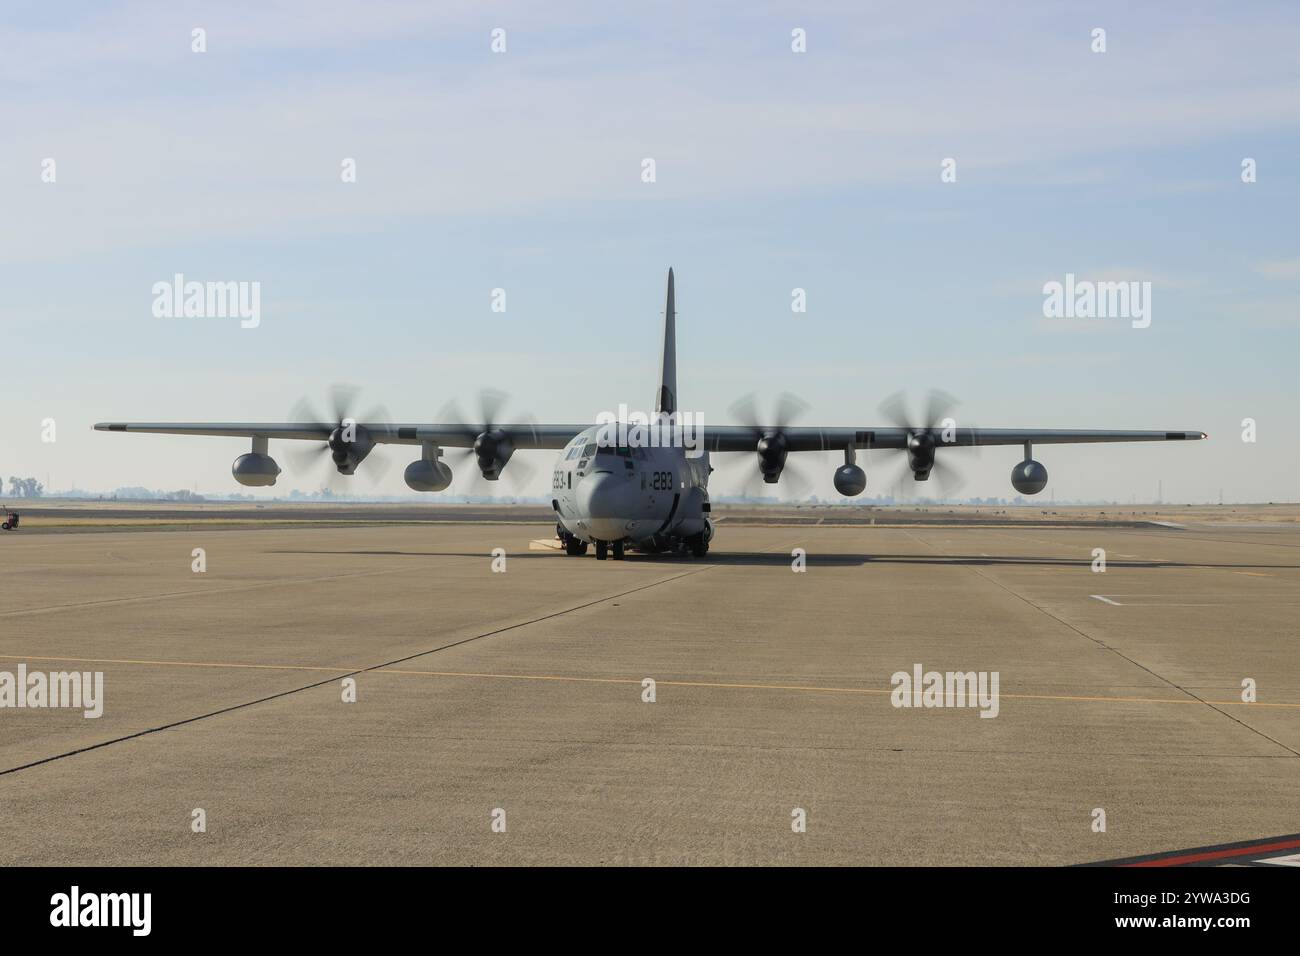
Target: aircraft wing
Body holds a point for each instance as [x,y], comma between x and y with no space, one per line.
[716,438]
[526,435]
[744,438]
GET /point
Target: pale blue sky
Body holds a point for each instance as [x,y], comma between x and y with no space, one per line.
[775,170]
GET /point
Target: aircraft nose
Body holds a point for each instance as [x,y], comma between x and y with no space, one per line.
[602,494]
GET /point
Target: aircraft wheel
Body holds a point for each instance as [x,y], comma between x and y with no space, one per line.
[699,546]
[573,547]
[618,550]
[602,550]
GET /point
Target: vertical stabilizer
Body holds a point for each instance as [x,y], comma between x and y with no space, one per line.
[666,397]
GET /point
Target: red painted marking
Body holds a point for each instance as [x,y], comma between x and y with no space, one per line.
[1219,854]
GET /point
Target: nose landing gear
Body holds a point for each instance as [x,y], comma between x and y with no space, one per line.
[604,548]
[573,546]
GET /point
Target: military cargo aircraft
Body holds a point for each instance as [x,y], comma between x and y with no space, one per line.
[643,482]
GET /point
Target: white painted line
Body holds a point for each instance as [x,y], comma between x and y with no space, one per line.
[1106,599]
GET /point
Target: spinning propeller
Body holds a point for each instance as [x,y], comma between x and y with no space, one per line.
[924,437]
[491,448]
[349,443]
[770,445]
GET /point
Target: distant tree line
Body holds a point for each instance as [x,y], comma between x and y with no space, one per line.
[151,494]
[24,487]
[31,488]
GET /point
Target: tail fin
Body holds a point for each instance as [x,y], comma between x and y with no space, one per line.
[666,398]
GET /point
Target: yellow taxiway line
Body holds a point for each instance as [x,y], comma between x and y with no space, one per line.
[727,685]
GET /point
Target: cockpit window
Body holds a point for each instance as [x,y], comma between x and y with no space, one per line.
[589,450]
[623,451]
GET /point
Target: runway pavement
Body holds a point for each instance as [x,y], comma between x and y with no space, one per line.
[480,692]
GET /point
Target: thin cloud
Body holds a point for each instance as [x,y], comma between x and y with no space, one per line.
[1279,269]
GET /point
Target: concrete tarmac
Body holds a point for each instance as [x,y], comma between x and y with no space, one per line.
[480,692]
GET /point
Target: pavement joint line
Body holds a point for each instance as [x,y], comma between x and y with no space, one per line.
[340,674]
[1102,597]
[570,678]
[1116,651]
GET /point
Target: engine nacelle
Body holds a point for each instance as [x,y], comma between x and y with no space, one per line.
[772,451]
[920,454]
[492,450]
[424,475]
[349,445]
[255,470]
[850,480]
[1029,477]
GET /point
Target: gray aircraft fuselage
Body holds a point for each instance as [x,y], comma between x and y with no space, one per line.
[645,495]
